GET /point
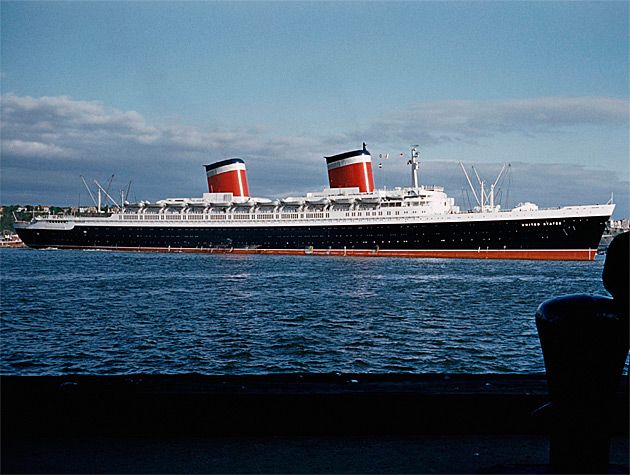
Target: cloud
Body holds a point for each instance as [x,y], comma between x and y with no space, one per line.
[62,123]
[47,142]
[61,135]
[70,124]
[454,121]
[34,149]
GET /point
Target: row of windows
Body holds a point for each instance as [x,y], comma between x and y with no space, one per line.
[200,217]
[471,228]
[245,215]
[332,241]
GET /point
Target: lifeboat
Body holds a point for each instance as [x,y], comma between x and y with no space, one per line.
[292,201]
[343,199]
[369,199]
[319,200]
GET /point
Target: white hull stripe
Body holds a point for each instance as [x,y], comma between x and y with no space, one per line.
[227,168]
[350,161]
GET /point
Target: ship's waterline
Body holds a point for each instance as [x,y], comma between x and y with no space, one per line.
[529,254]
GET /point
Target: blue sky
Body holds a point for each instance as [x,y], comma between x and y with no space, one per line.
[151,91]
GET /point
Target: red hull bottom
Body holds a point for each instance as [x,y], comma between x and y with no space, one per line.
[525,254]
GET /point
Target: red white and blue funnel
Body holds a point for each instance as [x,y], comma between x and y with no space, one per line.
[228,176]
[351,170]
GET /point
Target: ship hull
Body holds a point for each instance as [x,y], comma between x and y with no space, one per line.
[550,238]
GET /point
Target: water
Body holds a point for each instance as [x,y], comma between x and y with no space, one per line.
[118,313]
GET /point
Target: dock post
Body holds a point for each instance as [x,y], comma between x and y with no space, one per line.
[584,340]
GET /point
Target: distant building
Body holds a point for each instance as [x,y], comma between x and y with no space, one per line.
[619,224]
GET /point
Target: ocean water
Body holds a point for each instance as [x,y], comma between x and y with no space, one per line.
[118,313]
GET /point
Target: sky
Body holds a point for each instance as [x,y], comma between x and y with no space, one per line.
[151,91]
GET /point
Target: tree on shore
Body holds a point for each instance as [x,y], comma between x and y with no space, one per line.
[24,213]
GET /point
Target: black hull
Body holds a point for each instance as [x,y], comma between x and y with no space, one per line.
[582,233]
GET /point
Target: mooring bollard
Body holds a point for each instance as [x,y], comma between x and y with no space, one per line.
[584,340]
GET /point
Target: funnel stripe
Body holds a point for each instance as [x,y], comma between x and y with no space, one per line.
[225,168]
[349,161]
[228,176]
[351,170]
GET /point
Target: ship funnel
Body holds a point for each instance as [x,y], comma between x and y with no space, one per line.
[228,176]
[351,170]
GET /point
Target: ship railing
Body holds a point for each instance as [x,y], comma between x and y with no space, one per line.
[328,217]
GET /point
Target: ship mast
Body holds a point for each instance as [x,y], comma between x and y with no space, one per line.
[484,197]
[415,165]
[492,187]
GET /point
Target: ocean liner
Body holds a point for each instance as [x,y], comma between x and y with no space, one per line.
[349,218]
